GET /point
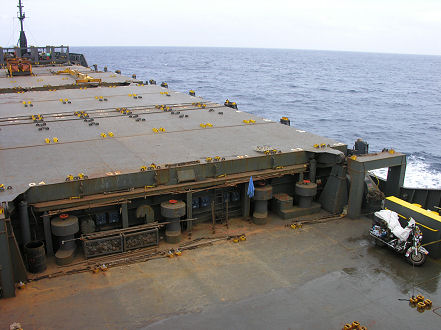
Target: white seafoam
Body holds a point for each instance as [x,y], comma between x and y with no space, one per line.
[418,174]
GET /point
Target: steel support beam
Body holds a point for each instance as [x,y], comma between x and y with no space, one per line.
[6,272]
[124,215]
[24,222]
[189,210]
[245,201]
[229,180]
[395,180]
[48,234]
[356,193]
[358,167]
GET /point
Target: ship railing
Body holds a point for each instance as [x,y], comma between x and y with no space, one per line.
[37,55]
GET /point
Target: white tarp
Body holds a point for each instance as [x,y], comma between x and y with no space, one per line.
[391,218]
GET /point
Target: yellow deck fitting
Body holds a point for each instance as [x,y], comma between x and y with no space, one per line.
[347,326]
[235,240]
[47,140]
[178,252]
[249,121]
[420,297]
[421,306]
[208,159]
[55,139]
[428,303]
[103,135]
[162,129]
[155,130]
[110,134]
[143,168]
[243,238]
[170,254]
[80,77]
[355,325]
[69,177]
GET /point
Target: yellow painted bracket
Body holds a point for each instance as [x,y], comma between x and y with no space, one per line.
[81,78]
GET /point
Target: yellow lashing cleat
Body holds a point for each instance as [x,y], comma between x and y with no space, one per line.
[428,303]
[355,325]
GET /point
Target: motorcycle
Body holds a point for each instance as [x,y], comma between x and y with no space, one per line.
[387,231]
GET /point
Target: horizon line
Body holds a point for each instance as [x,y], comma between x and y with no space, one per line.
[269,48]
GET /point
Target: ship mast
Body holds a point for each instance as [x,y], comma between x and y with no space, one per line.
[23,43]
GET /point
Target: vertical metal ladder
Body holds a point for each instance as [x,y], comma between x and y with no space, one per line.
[219,205]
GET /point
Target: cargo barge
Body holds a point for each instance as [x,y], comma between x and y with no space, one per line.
[95,163]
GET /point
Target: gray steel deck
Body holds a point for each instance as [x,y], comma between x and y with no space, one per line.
[43,76]
[27,160]
[319,277]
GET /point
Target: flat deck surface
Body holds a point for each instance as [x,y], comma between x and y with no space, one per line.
[26,158]
[319,277]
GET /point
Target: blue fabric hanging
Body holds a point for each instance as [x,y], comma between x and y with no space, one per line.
[250,188]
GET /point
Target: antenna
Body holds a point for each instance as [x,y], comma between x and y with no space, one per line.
[23,43]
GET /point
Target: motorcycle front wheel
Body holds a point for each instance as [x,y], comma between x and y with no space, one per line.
[417,259]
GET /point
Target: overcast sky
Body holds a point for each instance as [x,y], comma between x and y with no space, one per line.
[392,26]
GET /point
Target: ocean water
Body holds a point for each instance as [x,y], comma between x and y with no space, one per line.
[389,100]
